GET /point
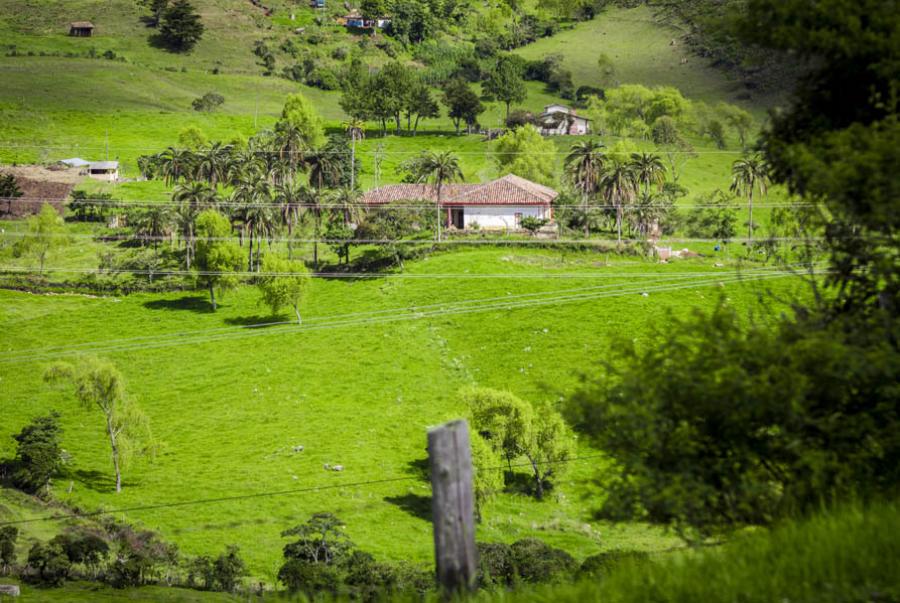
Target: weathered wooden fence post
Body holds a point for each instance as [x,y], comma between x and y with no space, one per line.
[453,505]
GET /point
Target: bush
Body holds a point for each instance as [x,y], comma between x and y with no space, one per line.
[520,117]
[664,131]
[312,579]
[532,224]
[323,78]
[495,566]
[208,102]
[48,564]
[228,568]
[340,53]
[535,561]
[86,548]
[602,564]
[8,537]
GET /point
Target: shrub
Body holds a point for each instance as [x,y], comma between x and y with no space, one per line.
[535,561]
[323,78]
[520,117]
[48,564]
[228,568]
[602,564]
[309,578]
[86,548]
[208,102]
[340,53]
[532,224]
[8,537]
[664,130]
[495,567]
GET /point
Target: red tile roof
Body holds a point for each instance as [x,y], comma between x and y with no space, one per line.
[508,190]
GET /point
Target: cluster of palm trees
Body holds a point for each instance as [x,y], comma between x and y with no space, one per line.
[265,188]
[633,184]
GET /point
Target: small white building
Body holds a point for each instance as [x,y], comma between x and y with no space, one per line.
[559,120]
[104,170]
[497,205]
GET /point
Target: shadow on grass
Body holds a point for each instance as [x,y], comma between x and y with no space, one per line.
[414,504]
[260,321]
[99,481]
[420,468]
[194,303]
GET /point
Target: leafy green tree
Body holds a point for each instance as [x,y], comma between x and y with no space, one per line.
[463,105]
[607,71]
[9,190]
[524,152]
[505,82]
[49,564]
[98,384]
[218,258]
[38,455]
[228,568]
[192,138]
[180,28]
[321,539]
[153,224]
[372,9]
[208,103]
[487,480]
[714,217]
[739,120]
[514,428]
[532,224]
[46,232]
[665,131]
[391,224]
[438,169]
[340,237]
[300,113]
[411,21]
[419,104]
[8,537]
[283,283]
[749,174]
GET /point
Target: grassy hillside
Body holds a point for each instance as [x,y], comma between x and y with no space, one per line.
[228,409]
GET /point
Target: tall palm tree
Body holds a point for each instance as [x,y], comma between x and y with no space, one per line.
[619,185]
[324,168]
[252,196]
[314,200]
[355,128]
[347,205]
[290,196]
[290,144]
[749,174]
[175,164]
[438,169]
[584,167]
[153,224]
[649,170]
[212,163]
[192,198]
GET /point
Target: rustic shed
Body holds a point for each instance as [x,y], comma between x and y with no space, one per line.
[81,29]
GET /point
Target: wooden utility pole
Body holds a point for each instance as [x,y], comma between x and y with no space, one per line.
[452,505]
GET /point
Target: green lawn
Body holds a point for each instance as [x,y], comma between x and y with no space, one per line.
[228,410]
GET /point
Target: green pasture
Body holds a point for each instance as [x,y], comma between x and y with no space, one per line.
[228,410]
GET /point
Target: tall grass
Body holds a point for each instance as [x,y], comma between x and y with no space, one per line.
[852,554]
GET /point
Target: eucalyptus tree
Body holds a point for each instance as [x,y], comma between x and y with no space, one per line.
[438,169]
[618,185]
[584,167]
[749,174]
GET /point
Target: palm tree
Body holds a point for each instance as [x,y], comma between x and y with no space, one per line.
[212,163]
[347,205]
[175,164]
[748,174]
[438,169]
[648,169]
[192,198]
[290,196]
[313,201]
[290,144]
[584,167]
[253,196]
[153,224]
[618,185]
[324,168]
[355,128]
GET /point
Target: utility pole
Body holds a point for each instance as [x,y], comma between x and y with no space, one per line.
[453,506]
[353,160]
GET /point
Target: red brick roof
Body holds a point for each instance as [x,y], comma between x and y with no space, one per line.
[508,190]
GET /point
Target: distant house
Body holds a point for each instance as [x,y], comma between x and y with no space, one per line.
[558,120]
[75,162]
[81,29]
[104,170]
[497,205]
[355,19]
[318,3]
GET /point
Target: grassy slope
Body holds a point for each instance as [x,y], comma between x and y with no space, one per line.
[228,412]
[848,555]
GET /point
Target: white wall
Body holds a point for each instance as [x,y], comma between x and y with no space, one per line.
[502,217]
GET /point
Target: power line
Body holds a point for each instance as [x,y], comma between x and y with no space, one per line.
[408,315]
[266,494]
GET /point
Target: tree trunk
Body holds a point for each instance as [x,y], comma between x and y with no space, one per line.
[439,217]
[297,312]
[507,109]
[316,242]
[619,221]
[750,222]
[250,256]
[212,295]
[115,451]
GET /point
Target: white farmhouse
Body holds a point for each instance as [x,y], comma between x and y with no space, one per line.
[497,205]
[558,120]
[104,170]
